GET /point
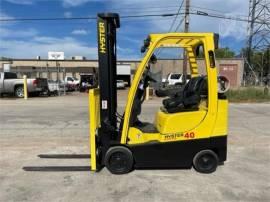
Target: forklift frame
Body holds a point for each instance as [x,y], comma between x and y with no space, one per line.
[187,138]
[160,149]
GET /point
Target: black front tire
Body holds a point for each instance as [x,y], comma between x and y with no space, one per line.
[119,160]
[205,161]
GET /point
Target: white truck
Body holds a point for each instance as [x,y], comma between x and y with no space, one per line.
[176,78]
[72,83]
[10,84]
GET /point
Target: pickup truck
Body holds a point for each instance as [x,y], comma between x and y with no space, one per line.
[72,83]
[176,79]
[10,84]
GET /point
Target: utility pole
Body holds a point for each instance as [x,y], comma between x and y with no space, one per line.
[267,74]
[258,33]
[252,7]
[186,29]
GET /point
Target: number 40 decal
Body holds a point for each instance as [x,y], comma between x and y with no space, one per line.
[189,135]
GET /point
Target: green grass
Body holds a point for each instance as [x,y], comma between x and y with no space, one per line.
[248,94]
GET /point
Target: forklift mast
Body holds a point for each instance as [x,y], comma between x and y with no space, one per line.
[107,24]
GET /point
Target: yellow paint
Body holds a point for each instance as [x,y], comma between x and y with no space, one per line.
[177,126]
[25,90]
[210,120]
[94,116]
[189,41]
[221,126]
[136,136]
[180,122]
[192,62]
[102,37]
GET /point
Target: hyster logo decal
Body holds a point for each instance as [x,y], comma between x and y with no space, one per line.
[102,39]
[172,136]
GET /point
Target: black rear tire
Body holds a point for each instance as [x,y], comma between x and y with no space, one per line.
[119,160]
[205,161]
[19,92]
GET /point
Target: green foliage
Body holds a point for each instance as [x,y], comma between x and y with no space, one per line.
[224,53]
[249,94]
[219,53]
[259,60]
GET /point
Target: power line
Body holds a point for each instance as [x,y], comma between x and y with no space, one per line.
[179,9]
[208,9]
[201,13]
[198,12]
[83,18]
[186,29]
[180,23]
[45,19]
[170,29]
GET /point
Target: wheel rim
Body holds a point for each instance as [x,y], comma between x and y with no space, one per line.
[207,162]
[19,92]
[118,161]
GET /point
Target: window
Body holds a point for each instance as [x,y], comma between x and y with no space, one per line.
[175,76]
[9,75]
[69,79]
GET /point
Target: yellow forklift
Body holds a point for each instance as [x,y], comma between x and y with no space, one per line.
[190,129]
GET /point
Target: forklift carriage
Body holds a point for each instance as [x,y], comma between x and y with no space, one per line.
[190,129]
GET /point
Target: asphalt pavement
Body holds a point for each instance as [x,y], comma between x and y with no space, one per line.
[60,125]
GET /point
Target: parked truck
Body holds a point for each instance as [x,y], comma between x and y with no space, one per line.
[11,84]
[176,79]
[72,83]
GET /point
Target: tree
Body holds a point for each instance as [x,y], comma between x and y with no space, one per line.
[224,53]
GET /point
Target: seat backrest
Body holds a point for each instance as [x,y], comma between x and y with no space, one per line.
[191,94]
[203,90]
[193,86]
[189,97]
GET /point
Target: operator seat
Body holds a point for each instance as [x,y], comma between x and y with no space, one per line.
[187,99]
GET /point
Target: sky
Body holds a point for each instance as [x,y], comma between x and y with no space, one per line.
[35,38]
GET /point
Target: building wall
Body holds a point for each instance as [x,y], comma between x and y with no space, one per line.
[231,68]
[59,69]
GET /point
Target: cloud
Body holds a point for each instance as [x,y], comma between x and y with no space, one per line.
[67,14]
[132,31]
[29,43]
[236,30]
[226,28]
[7,33]
[73,3]
[31,49]
[23,2]
[14,46]
[4,15]
[4,24]
[79,32]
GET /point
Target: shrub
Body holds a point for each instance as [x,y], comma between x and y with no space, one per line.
[249,94]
